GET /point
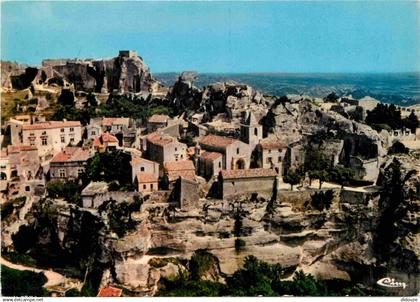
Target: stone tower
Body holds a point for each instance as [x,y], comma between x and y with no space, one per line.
[251,130]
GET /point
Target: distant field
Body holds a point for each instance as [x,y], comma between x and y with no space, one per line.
[398,88]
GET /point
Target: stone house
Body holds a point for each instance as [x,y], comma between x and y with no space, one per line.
[236,154]
[176,169]
[270,155]
[142,165]
[105,142]
[239,182]
[69,163]
[23,163]
[165,148]
[146,182]
[210,164]
[90,192]
[157,121]
[294,156]
[113,125]
[186,193]
[366,169]
[51,137]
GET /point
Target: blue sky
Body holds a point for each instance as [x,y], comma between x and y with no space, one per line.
[211,36]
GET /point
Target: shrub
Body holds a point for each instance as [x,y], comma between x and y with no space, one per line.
[322,200]
[239,244]
[22,283]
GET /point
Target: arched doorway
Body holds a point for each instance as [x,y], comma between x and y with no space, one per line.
[240,164]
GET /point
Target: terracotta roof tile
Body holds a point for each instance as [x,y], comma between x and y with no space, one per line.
[105,138]
[110,291]
[271,144]
[158,118]
[146,177]
[217,141]
[17,149]
[184,168]
[248,173]
[71,154]
[52,125]
[109,121]
[158,139]
[210,155]
[179,165]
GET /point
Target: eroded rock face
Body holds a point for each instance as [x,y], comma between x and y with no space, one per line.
[125,73]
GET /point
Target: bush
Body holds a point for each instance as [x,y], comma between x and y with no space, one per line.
[20,258]
[322,200]
[73,292]
[161,262]
[239,244]
[22,283]
[69,190]
[398,148]
[200,263]
[8,207]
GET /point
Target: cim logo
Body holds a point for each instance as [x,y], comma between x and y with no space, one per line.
[390,282]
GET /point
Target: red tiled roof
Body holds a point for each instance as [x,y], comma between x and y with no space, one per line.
[248,173]
[158,118]
[138,160]
[71,154]
[179,165]
[211,155]
[146,177]
[217,141]
[271,144]
[110,291]
[109,121]
[16,149]
[158,139]
[184,168]
[105,138]
[52,125]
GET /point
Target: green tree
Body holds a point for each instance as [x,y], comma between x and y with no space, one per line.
[292,177]
[411,122]
[315,164]
[341,175]
[69,190]
[22,283]
[384,114]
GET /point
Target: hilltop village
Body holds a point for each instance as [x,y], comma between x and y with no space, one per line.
[114,181]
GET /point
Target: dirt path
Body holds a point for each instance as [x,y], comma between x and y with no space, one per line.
[54,278]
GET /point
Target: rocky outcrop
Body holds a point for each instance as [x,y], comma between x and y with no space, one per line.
[125,73]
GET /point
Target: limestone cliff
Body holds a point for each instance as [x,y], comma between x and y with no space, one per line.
[350,240]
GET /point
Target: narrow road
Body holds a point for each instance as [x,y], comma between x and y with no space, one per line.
[53,278]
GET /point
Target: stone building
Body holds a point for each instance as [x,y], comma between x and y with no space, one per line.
[91,191]
[366,169]
[69,163]
[270,155]
[105,142]
[142,165]
[51,137]
[23,163]
[176,169]
[146,182]
[241,182]
[210,164]
[165,148]
[236,154]
[157,121]
[113,125]
[251,130]
[186,193]
[294,156]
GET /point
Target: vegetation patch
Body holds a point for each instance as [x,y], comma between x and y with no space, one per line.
[22,283]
